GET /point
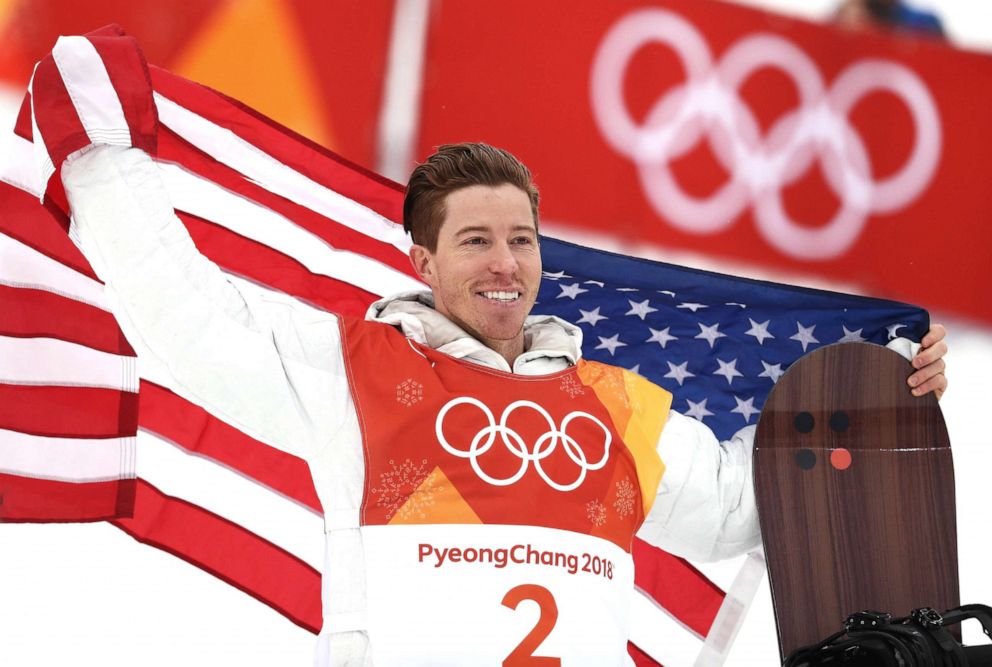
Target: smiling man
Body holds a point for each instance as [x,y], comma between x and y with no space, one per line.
[484,265]
[482,484]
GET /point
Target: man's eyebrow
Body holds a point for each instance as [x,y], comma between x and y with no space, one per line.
[479,229]
[472,229]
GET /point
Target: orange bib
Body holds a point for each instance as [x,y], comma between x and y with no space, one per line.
[484,489]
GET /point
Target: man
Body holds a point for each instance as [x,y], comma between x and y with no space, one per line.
[889,14]
[481,482]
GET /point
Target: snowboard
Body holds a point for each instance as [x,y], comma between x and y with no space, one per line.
[855,490]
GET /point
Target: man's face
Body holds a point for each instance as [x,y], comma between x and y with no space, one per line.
[486,270]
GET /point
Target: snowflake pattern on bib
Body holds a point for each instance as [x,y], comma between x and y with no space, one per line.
[409,392]
[398,484]
[571,387]
[626,495]
[596,512]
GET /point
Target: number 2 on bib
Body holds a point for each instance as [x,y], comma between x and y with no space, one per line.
[523,654]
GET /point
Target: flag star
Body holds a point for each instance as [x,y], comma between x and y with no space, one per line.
[678,373]
[710,333]
[611,343]
[555,276]
[635,369]
[591,316]
[804,335]
[668,292]
[893,328]
[851,336]
[691,306]
[627,289]
[728,369]
[698,410]
[571,291]
[641,309]
[746,408]
[662,337]
[733,303]
[773,371]
[759,331]
[594,282]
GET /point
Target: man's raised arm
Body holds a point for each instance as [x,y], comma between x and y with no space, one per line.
[268,364]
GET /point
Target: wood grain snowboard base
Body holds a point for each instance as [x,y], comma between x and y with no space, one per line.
[855,491]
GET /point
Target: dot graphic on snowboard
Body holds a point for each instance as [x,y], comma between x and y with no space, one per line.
[806,459]
[855,491]
[840,458]
[839,421]
[804,422]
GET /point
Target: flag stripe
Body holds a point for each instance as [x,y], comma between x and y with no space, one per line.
[67,412]
[640,658]
[66,459]
[677,586]
[242,216]
[284,145]
[18,169]
[172,148]
[128,75]
[55,362]
[33,312]
[42,500]
[276,177]
[85,78]
[659,634]
[24,266]
[227,551]
[197,431]
[244,257]
[55,116]
[202,482]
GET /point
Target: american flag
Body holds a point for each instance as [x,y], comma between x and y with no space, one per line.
[718,343]
[87,432]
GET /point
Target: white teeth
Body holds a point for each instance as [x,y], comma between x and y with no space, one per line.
[502,296]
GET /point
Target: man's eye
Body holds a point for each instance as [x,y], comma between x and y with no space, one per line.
[475,240]
[523,240]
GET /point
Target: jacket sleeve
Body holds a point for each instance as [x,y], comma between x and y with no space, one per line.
[705,508]
[265,363]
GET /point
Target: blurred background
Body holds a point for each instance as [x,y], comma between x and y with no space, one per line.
[839,144]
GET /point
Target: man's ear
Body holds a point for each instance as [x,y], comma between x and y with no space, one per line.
[422,260]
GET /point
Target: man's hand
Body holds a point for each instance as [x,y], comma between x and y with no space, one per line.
[930,364]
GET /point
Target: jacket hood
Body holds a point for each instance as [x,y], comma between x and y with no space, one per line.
[550,343]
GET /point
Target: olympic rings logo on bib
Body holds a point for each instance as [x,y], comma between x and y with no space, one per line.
[708,106]
[543,447]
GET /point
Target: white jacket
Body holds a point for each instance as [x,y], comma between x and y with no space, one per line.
[273,367]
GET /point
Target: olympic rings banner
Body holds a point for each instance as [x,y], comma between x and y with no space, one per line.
[858,157]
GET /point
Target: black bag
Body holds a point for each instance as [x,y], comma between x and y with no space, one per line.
[922,639]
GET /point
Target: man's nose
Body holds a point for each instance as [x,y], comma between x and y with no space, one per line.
[502,260]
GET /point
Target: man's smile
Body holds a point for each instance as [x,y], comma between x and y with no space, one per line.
[501,297]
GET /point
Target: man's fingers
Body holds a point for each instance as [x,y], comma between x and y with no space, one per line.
[927,372]
[928,355]
[936,384]
[931,365]
[936,333]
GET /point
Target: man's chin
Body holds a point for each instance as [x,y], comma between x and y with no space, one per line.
[501,336]
[500,331]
